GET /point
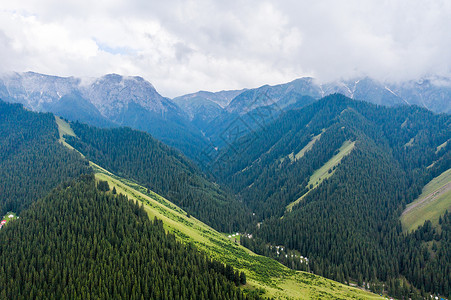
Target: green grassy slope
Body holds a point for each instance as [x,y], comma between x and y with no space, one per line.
[441,146]
[263,274]
[323,173]
[64,129]
[307,147]
[430,205]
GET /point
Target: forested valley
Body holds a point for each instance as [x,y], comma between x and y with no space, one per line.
[74,241]
[327,181]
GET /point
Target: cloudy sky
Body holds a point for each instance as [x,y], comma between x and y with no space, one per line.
[186,46]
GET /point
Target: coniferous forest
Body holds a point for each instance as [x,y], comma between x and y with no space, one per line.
[81,243]
[79,239]
[136,155]
[348,226]
[32,161]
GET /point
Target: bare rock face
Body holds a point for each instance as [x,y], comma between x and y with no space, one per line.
[110,94]
[34,90]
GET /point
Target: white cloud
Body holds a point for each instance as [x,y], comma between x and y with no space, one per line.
[184,46]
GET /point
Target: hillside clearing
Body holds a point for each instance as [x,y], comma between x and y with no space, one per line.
[430,205]
[441,147]
[307,147]
[323,173]
[64,129]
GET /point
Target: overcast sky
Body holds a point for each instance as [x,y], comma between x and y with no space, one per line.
[186,46]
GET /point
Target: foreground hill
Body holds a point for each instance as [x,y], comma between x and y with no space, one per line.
[331,181]
[32,161]
[81,243]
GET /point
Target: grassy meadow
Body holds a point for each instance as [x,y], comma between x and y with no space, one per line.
[434,200]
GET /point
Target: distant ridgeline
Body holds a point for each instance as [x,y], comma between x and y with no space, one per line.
[32,161]
[80,243]
[346,219]
[136,155]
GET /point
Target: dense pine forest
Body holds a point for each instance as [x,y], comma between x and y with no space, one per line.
[32,161]
[81,243]
[136,155]
[348,225]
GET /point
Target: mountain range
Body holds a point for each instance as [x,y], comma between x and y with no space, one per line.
[108,101]
[197,123]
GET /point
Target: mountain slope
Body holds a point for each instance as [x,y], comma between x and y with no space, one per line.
[200,109]
[75,107]
[107,101]
[264,275]
[32,161]
[430,205]
[55,260]
[216,122]
[136,155]
[79,243]
[350,213]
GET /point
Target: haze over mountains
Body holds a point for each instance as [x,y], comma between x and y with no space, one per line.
[195,122]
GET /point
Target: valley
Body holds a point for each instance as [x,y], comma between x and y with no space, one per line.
[265,276]
[225,150]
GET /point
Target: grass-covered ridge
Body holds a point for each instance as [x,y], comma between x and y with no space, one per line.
[307,147]
[434,200]
[136,155]
[82,243]
[326,170]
